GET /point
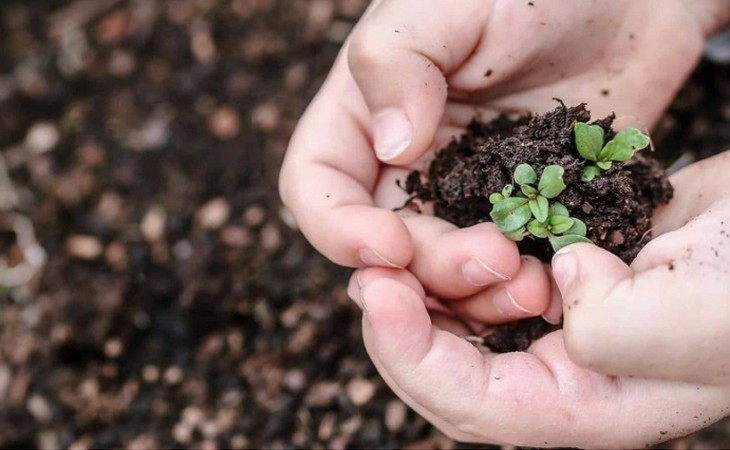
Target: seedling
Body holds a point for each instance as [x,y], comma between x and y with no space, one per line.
[529,213]
[589,139]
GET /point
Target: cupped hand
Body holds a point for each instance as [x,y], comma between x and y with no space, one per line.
[668,314]
[414,73]
[643,356]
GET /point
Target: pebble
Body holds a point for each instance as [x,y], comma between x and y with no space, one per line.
[39,408]
[327,426]
[254,216]
[224,123]
[266,116]
[152,225]
[321,394]
[214,214]
[150,373]
[270,238]
[396,413]
[236,237]
[360,391]
[121,63]
[84,247]
[113,348]
[295,380]
[143,442]
[42,137]
[115,256]
[173,375]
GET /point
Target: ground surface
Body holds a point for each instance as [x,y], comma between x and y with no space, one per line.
[178,306]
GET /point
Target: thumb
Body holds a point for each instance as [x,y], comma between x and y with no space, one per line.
[670,321]
[400,55]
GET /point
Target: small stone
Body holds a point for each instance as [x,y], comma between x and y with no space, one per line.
[239,441]
[182,433]
[327,426]
[395,415]
[39,408]
[295,380]
[113,348]
[192,416]
[150,373]
[361,391]
[214,214]
[254,216]
[152,225]
[208,445]
[322,394]
[236,237]
[182,250]
[121,63]
[116,256]
[266,116]
[173,375]
[224,123]
[111,29]
[270,238]
[143,442]
[84,247]
[42,137]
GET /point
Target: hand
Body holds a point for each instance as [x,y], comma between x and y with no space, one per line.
[410,78]
[658,330]
[667,315]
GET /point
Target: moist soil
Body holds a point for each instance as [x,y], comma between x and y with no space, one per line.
[616,206]
[222,327]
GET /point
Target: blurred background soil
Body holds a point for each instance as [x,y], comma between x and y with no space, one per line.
[178,305]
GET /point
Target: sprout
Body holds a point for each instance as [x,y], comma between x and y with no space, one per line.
[589,139]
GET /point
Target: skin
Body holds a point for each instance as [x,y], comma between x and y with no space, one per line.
[407,82]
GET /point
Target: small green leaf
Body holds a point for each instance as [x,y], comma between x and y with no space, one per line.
[588,140]
[537,229]
[605,165]
[632,138]
[525,174]
[579,228]
[516,235]
[560,224]
[551,181]
[495,198]
[558,242]
[558,209]
[589,173]
[507,190]
[540,208]
[511,213]
[529,191]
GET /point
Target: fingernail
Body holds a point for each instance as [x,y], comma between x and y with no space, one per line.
[549,320]
[565,269]
[506,304]
[371,257]
[479,274]
[392,133]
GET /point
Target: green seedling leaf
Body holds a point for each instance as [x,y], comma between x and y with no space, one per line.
[511,213]
[588,140]
[529,191]
[558,242]
[507,191]
[632,138]
[558,209]
[495,198]
[589,173]
[560,224]
[539,207]
[525,174]
[537,229]
[516,235]
[579,228]
[605,165]
[551,181]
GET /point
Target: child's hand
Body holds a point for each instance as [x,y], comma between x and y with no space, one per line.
[668,315]
[411,77]
[536,398]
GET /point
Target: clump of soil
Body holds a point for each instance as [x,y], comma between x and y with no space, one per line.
[616,206]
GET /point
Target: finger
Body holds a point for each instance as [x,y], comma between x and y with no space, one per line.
[669,322]
[361,277]
[528,294]
[457,262]
[554,312]
[399,60]
[327,178]
[539,398]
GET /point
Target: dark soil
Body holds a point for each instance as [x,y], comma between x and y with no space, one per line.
[616,206]
[223,327]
